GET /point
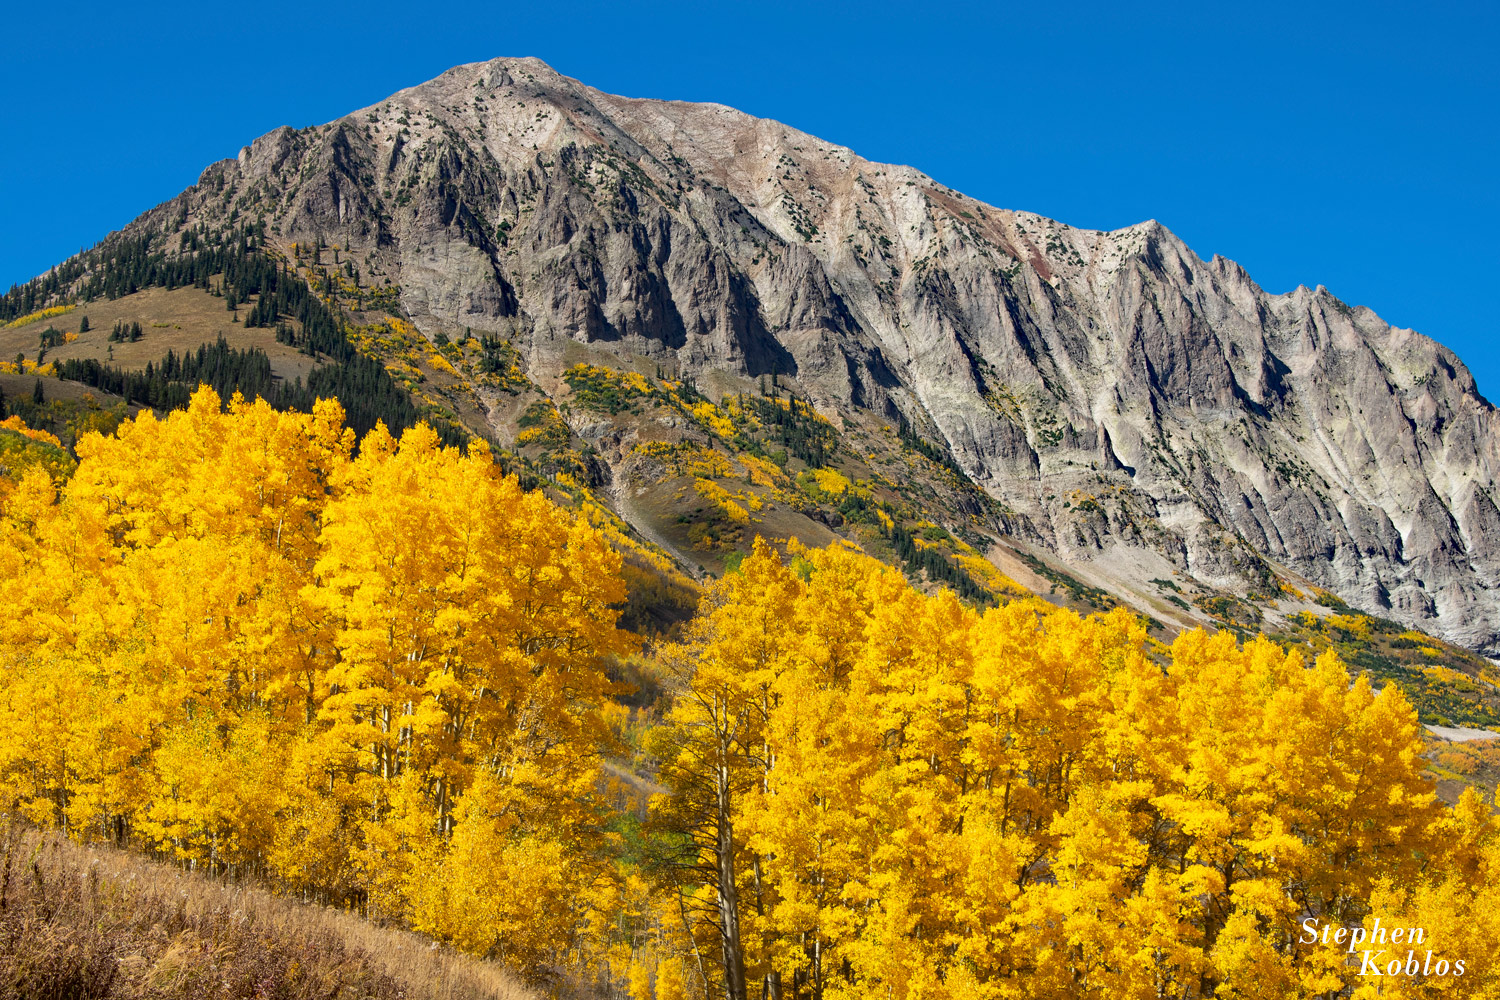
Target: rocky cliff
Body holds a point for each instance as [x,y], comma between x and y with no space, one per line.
[1143,414]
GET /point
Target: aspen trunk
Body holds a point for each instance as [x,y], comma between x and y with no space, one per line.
[729,903]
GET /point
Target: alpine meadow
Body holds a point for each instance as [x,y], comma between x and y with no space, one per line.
[590,547]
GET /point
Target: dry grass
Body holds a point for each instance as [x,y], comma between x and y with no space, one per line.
[83,923]
[19,387]
[178,320]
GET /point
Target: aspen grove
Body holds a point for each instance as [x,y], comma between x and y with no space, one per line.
[377,674]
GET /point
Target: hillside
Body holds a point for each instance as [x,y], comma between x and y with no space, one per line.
[100,924]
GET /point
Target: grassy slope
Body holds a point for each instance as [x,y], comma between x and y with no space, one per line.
[178,320]
[95,923]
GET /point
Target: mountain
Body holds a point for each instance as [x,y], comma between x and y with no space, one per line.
[724,326]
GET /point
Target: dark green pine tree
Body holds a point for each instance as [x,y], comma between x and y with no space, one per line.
[83,325]
[38,394]
[2,404]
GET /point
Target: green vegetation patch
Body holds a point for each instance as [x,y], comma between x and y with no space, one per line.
[1076,589]
[1448,685]
[604,391]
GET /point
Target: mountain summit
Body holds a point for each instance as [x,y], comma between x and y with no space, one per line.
[1100,411]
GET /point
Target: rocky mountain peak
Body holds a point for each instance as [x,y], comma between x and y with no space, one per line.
[1137,412]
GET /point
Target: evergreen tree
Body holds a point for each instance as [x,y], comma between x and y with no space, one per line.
[38,394]
[83,325]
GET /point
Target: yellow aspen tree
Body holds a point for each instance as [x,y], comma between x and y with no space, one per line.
[713,746]
[215,796]
[807,840]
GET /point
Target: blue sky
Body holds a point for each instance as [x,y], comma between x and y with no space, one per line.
[1346,144]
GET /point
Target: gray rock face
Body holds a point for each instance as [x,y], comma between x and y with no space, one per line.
[1139,410]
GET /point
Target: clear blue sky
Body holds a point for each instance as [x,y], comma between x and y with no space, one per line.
[1351,144]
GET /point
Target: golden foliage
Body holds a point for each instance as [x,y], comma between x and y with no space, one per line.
[246,646]
[382,679]
[894,795]
[14,423]
[50,312]
[28,367]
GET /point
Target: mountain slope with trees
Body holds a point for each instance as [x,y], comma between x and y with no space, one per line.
[1106,403]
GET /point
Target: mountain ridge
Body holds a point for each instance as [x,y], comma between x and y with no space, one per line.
[1142,413]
